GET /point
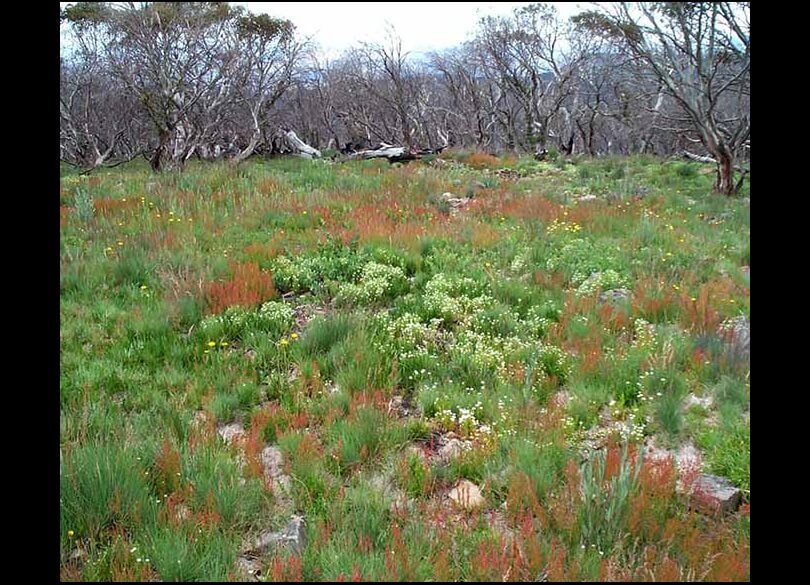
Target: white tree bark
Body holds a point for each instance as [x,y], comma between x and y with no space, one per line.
[299,145]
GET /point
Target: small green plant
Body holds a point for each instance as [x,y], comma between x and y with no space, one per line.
[413,475]
[728,452]
[607,482]
[83,204]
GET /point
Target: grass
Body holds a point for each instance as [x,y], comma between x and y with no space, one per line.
[343,315]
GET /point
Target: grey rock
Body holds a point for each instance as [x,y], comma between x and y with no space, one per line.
[615,296]
[455,202]
[587,198]
[274,476]
[713,494]
[248,568]
[737,333]
[231,433]
[293,537]
[466,495]
[417,451]
[452,449]
[692,400]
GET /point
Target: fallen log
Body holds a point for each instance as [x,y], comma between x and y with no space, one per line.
[398,153]
[710,160]
[302,148]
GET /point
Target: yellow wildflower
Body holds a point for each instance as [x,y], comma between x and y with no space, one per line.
[212,343]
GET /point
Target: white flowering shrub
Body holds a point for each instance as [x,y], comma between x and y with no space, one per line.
[274,318]
[307,273]
[449,415]
[537,322]
[555,362]
[377,282]
[643,334]
[521,261]
[498,321]
[454,298]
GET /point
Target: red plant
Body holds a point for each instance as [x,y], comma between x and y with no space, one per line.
[249,285]
[289,570]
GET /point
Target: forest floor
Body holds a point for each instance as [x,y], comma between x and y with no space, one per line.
[465,368]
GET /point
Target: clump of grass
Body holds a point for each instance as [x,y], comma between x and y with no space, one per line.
[728,449]
[607,484]
[413,475]
[83,204]
[103,485]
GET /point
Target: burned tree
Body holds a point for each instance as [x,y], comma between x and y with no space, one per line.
[699,52]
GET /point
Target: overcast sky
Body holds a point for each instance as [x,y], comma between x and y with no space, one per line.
[422,26]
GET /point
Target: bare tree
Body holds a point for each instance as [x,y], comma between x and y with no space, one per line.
[700,54]
[192,66]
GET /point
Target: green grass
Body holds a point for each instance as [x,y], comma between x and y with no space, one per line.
[390,324]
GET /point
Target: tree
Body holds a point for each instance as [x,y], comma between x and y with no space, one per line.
[195,68]
[699,52]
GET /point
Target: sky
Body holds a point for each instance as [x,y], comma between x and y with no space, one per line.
[422,26]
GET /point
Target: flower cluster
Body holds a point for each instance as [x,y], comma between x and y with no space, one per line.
[467,421]
[557,226]
[273,317]
[376,282]
[520,261]
[307,273]
[643,333]
[454,298]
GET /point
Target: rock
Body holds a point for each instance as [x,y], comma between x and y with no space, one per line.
[737,332]
[455,202]
[615,296]
[692,400]
[231,433]
[714,494]
[250,354]
[452,449]
[688,458]
[561,399]
[199,420]
[466,495]
[397,407]
[182,512]
[273,468]
[293,537]
[248,568]
[415,450]
[77,557]
[587,198]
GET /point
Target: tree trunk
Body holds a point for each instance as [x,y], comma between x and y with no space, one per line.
[725,176]
[156,162]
